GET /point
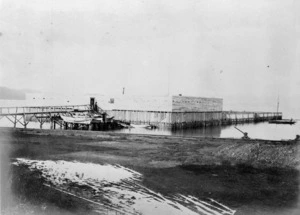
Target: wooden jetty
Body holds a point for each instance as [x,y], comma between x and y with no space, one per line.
[53,115]
[42,114]
[172,119]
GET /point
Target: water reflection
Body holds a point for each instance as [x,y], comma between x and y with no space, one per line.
[202,132]
[116,187]
[262,130]
[170,190]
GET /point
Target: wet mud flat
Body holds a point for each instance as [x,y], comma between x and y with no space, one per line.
[26,193]
[186,174]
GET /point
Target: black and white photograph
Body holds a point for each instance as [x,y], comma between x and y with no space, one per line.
[159,107]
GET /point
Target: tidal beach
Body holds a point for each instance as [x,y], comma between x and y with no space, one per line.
[49,172]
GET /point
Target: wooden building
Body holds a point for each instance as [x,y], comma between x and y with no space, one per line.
[171,111]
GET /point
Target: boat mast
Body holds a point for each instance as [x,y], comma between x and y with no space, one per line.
[277,105]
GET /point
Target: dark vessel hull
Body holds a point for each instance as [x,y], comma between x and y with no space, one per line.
[290,122]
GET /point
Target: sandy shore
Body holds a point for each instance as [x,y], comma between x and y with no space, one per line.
[152,151]
[202,167]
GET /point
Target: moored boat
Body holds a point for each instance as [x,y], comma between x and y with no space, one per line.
[77,119]
[283,121]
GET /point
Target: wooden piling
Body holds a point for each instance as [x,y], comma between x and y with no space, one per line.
[51,123]
[15,118]
[90,126]
[24,120]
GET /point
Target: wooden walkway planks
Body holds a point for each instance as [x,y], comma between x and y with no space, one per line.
[9,111]
[23,115]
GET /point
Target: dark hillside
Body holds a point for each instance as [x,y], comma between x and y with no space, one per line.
[11,94]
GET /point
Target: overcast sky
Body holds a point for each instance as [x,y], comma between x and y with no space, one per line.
[246,52]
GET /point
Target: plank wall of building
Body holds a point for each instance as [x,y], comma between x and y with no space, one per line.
[161,118]
[143,103]
[179,117]
[142,117]
[196,104]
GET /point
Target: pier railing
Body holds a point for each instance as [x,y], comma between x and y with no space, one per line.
[7,111]
[23,115]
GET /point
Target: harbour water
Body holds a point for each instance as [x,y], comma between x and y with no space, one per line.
[262,130]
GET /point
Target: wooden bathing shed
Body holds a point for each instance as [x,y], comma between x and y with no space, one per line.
[181,112]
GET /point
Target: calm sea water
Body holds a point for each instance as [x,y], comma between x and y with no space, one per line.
[262,130]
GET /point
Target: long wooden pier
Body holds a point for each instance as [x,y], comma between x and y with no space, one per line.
[42,114]
[236,117]
[192,119]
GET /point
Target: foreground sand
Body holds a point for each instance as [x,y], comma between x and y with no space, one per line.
[153,151]
[167,164]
